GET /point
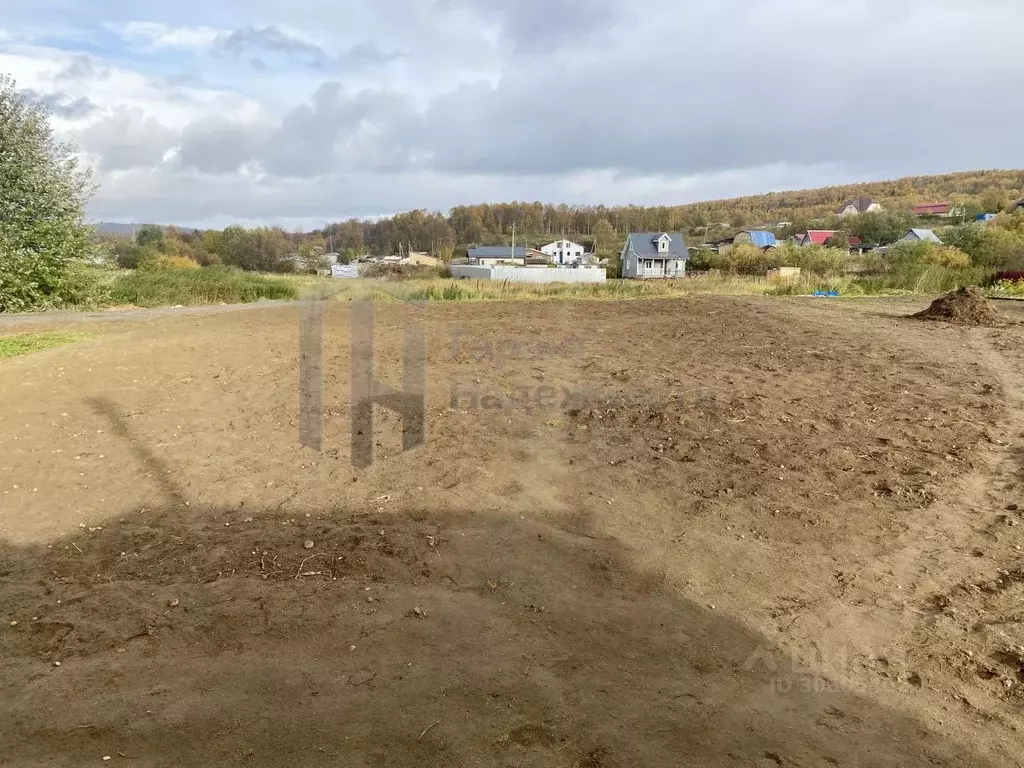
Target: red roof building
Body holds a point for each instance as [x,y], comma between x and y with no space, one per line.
[823,237]
[933,209]
[818,236]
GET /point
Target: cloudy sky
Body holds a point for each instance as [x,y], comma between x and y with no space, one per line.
[298,112]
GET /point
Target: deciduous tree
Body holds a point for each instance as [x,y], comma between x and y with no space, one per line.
[43,191]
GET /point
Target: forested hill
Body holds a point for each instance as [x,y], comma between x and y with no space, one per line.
[991,191]
[491,223]
[604,228]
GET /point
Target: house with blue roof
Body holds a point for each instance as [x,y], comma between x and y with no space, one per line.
[756,237]
[654,254]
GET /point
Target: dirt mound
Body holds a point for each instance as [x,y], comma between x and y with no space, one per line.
[967,306]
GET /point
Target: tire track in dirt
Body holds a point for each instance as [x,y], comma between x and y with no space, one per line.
[952,550]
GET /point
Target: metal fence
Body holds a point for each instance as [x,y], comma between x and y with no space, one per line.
[531,274]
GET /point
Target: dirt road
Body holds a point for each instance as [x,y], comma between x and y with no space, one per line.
[31,320]
[714,531]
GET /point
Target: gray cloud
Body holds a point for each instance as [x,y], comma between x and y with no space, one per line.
[127,139]
[708,99]
[614,100]
[538,25]
[336,131]
[256,42]
[218,146]
[62,104]
[83,68]
[272,39]
[370,54]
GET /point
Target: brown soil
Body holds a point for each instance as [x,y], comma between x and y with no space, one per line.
[757,533]
[967,306]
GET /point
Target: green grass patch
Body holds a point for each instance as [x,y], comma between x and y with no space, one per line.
[25,343]
[190,287]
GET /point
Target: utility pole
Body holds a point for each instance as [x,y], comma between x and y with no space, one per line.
[513,239]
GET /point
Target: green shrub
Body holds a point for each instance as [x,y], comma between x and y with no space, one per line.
[815,259]
[988,245]
[1012,288]
[208,285]
[165,261]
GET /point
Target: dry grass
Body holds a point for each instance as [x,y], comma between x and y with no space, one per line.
[489,290]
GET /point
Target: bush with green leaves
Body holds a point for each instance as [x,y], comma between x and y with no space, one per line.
[43,191]
[924,252]
[1012,288]
[816,259]
[988,245]
[746,259]
[207,285]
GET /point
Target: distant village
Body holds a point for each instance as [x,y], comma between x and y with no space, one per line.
[648,255]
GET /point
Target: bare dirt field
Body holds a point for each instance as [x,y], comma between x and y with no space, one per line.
[702,532]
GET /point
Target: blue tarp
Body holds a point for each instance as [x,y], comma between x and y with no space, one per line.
[762,239]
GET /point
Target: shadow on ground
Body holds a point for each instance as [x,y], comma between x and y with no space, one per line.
[216,637]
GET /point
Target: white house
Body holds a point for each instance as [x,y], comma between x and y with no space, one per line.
[859,206]
[564,252]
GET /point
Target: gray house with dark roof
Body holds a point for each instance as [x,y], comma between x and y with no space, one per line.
[654,254]
[490,255]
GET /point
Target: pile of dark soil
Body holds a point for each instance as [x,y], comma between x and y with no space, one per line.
[967,306]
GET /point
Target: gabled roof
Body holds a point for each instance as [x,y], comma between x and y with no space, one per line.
[818,236]
[497,252]
[861,204]
[761,238]
[645,245]
[933,208]
[925,234]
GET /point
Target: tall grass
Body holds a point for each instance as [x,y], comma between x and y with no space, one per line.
[210,285]
[919,278]
[505,290]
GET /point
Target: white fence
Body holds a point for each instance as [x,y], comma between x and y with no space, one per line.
[531,274]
